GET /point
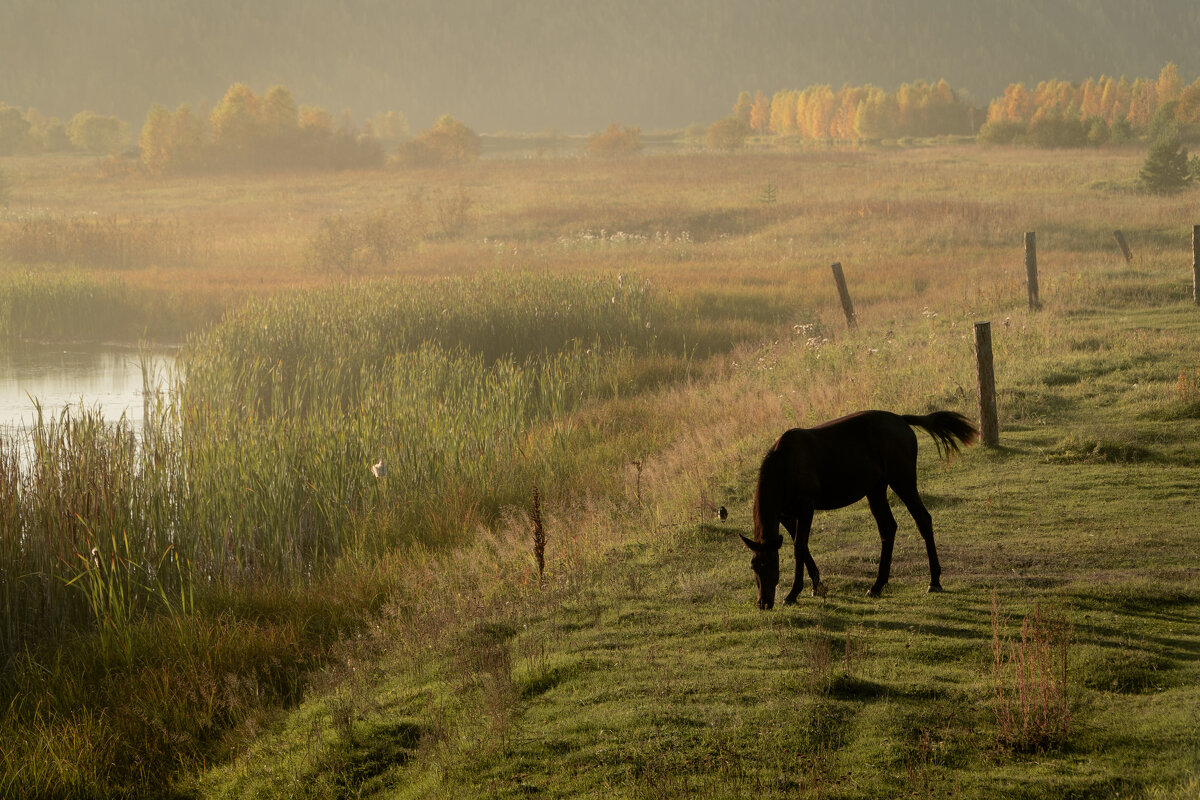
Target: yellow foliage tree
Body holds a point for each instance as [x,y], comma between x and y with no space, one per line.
[760,113]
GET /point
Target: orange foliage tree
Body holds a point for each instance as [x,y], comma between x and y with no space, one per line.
[615,141]
[248,132]
[858,113]
[1119,103]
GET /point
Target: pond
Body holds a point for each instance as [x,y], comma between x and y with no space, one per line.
[107,377]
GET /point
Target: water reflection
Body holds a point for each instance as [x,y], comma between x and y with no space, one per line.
[105,377]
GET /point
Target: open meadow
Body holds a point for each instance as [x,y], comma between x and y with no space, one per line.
[561,369]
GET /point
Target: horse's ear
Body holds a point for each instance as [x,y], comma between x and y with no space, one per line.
[758,547]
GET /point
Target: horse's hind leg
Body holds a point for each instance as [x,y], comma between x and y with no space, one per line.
[912,501]
[799,529]
[887,537]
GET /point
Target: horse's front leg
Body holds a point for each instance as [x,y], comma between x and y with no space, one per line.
[887,537]
[799,529]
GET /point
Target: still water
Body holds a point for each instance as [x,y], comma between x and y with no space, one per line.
[106,377]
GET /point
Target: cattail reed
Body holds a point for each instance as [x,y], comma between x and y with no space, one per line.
[539,536]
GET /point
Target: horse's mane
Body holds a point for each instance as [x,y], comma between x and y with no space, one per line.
[767,481]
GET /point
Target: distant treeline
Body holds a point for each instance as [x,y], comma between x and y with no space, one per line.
[1056,113]
[246,131]
[1098,110]
[858,113]
[23,132]
[243,132]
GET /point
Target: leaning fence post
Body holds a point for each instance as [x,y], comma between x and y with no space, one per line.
[1196,264]
[1124,245]
[989,428]
[844,293]
[1031,270]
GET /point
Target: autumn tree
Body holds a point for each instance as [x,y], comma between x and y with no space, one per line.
[760,113]
[390,127]
[48,134]
[782,119]
[741,108]
[14,130]
[1168,86]
[278,116]
[453,140]
[615,141]
[448,141]
[187,140]
[728,134]
[1188,110]
[94,133]
[234,127]
[876,115]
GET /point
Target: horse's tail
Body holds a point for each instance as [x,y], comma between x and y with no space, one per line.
[947,428]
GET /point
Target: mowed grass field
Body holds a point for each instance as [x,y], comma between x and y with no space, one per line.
[1060,662]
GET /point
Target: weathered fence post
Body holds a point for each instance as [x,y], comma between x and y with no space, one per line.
[1031,270]
[1196,264]
[989,428]
[1124,245]
[844,294]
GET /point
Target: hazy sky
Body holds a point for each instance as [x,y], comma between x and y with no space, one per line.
[570,65]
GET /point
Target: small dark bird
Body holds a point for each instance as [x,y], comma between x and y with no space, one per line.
[722,513]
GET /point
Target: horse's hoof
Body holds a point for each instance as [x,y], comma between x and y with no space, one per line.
[820,590]
[789,601]
[873,592]
[934,588]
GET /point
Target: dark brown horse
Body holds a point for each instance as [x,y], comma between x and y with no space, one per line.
[836,464]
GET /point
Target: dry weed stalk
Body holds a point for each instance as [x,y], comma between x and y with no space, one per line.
[1032,709]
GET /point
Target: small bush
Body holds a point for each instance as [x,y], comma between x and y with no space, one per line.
[1002,131]
[1057,131]
[352,245]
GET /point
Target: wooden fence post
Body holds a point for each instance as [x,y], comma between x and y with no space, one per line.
[1124,245]
[1196,264]
[1031,270]
[989,428]
[844,293]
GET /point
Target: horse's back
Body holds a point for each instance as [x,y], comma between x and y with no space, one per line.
[840,461]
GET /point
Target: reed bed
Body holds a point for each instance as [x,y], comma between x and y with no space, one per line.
[258,467]
[101,241]
[75,305]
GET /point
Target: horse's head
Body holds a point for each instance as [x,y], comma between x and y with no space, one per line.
[765,564]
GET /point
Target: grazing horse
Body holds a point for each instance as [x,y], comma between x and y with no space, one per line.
[833,465]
